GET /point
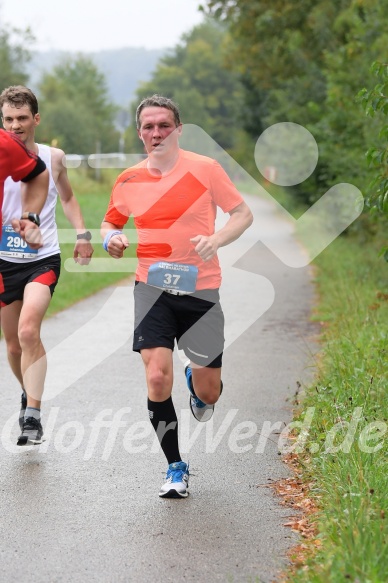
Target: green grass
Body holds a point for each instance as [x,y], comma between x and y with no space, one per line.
[75,285]
[349,469]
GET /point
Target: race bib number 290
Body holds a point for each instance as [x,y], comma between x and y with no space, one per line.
[12,245]
[178,276]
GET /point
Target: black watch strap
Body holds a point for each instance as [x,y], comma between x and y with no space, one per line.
[87,235]
[33,217]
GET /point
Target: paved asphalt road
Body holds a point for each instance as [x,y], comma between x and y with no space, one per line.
[84,506]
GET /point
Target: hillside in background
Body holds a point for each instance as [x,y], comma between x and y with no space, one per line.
[123,68]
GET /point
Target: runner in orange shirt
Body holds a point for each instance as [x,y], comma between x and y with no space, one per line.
[173,196]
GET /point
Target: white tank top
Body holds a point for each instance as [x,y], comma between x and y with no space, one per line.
[12,208]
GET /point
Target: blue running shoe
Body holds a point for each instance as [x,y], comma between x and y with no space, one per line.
[177,481]
[199,409]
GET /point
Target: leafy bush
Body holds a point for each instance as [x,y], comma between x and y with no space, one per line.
[375,101]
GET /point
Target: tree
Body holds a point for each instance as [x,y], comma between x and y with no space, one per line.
[75,108]
[375,101]
[278,49]
[361,35]
[195,77]
[303,62]
[14,57]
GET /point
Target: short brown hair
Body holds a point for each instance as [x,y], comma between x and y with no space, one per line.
[18,96]
[158,101]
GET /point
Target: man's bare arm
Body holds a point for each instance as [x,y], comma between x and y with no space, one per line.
[34,193]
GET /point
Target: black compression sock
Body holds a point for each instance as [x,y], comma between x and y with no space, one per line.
[165,422]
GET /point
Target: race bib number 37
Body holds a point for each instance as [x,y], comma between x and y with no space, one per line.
[176,276]
[12,245]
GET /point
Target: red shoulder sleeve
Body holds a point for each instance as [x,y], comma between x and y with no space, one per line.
[16,160]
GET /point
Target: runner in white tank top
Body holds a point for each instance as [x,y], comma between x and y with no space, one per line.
[12,208]
[27,276]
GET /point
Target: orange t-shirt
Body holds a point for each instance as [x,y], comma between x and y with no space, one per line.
[169,210]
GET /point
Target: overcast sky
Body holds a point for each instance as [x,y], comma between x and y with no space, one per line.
[92,25]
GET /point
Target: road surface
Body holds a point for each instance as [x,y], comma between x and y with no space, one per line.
[84,506]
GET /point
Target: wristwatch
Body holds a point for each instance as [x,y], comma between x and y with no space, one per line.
[87,235]
[33,217]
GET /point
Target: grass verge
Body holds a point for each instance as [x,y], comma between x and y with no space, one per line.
[342,455]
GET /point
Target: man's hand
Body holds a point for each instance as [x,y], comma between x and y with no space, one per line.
[206,247]
[117,246]
[83,252]
[28,231]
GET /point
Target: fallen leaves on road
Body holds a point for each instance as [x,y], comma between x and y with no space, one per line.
[294,493]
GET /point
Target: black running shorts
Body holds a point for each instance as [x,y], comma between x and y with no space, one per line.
[195,321]
[15,276]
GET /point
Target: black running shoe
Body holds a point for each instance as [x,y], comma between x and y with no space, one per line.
[32,432]
[23,405]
